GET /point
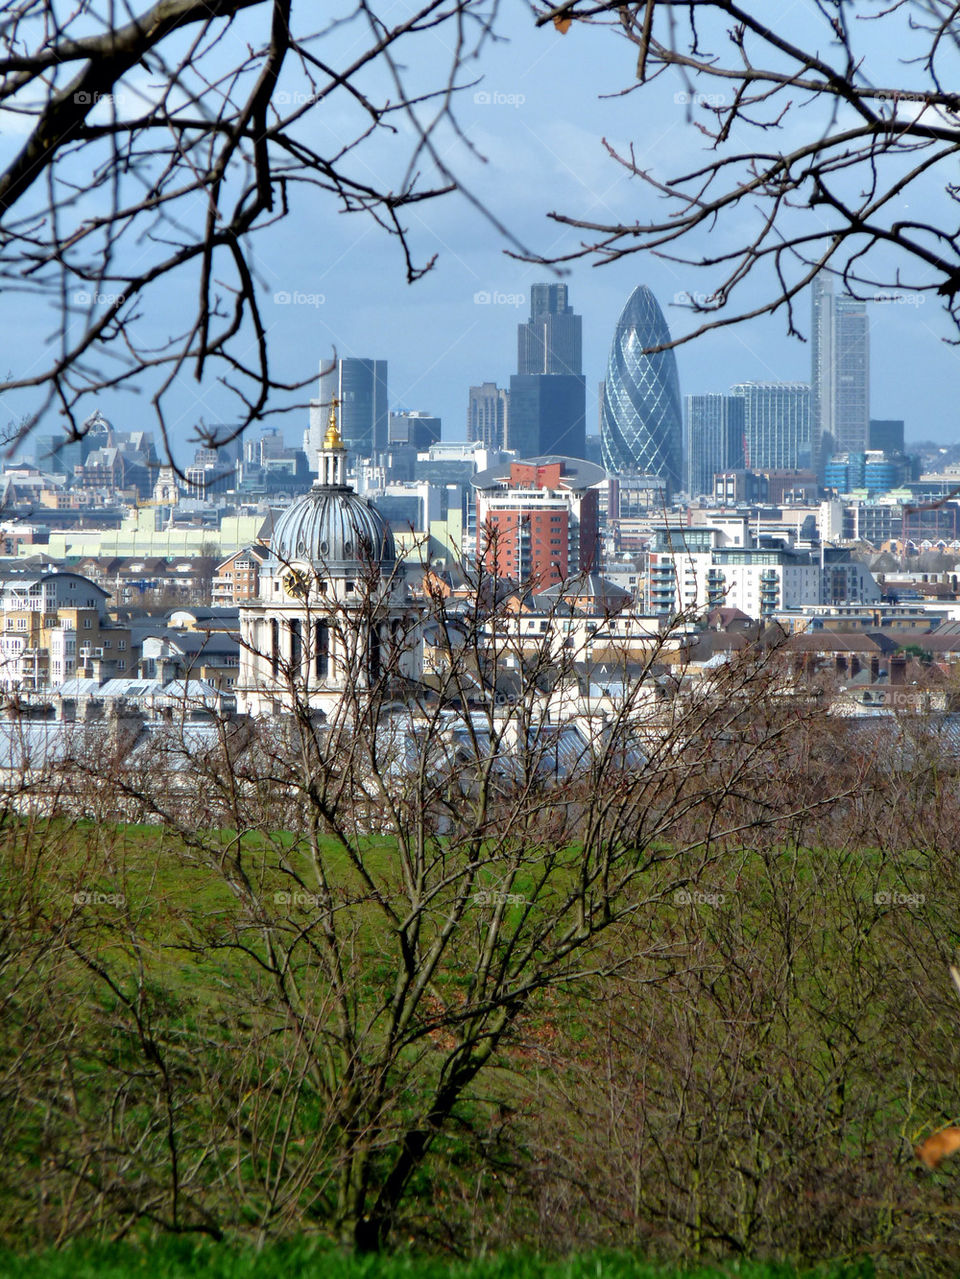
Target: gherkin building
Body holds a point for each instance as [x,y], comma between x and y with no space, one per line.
[641,418]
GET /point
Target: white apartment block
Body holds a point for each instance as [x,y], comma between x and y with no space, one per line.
[691,570]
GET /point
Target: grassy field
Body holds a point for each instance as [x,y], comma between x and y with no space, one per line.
[180,1259]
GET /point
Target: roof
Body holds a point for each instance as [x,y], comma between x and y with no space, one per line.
[577,473]
[833,642]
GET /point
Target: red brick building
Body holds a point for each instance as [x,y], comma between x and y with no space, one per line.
[538,519]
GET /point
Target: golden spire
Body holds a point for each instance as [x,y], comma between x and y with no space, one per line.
[332,438]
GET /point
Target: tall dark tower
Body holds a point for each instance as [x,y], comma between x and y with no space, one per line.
[551,340]
[641,419]
[548,392]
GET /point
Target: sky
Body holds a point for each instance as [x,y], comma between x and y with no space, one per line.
[533,128]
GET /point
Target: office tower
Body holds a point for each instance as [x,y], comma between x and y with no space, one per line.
[361,387]
[851,377]
[488,415]
[419,430]
[886,434]
[548,393]
[776,424]
[713,439]
[551,340]
[839,373]
[641,421]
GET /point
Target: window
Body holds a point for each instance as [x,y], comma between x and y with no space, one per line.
[87,623]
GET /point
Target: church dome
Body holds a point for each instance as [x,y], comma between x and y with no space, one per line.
[333,528]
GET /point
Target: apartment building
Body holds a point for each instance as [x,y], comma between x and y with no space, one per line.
[54,626]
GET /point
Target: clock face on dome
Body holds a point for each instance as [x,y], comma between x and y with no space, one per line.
[296,583]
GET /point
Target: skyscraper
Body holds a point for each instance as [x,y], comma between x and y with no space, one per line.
[713,439]
[851,378]
[839,373]
[551,340]
[361,387]
[548,393]
[641,423]
[776,424]
[488,415]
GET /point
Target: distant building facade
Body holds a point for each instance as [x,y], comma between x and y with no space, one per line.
[839,373]
[420,430]
[548,393]
[360,386]
[776,425]
[538,520]
[488,415]
[713,439]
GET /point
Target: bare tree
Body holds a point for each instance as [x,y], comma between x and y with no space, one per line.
[812,158]
[341,926]
[159,139]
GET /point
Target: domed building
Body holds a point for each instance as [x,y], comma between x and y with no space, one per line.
[333,614]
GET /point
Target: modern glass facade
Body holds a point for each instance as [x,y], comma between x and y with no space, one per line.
[548,393]
[361,387]
[839,373]
[641,419]
[776,424]
[713,439]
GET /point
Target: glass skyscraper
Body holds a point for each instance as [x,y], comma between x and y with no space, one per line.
[641,420]
[548,393]
[361,387]
[839,373]
[776,425]
[713,439]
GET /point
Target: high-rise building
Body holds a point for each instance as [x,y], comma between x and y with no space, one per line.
[551,341]
[886,434]
[488,415]
[420,430]
[360,386]
[713,439]
[538,519]
[641,421]
[851,378]
[839,373]
[548,392]
[776,424]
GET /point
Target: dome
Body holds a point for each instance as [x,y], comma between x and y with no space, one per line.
[331,529]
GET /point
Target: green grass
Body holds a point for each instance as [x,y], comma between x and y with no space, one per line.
[188,1259]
